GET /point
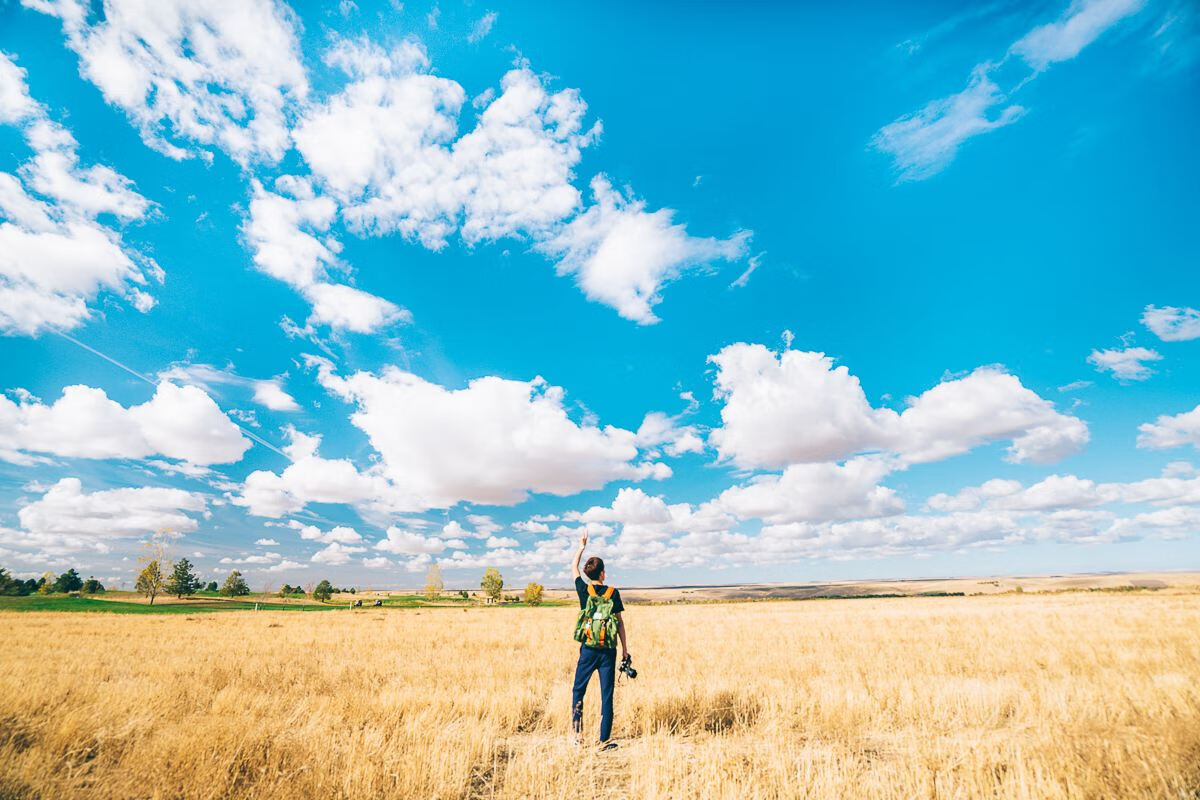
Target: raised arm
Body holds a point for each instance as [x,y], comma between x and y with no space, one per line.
[578,555]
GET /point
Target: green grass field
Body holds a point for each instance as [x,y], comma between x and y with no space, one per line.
[111,603]
[61,603]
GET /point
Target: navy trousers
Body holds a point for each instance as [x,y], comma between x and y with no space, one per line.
[593,659]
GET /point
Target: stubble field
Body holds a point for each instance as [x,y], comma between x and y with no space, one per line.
[1083,695]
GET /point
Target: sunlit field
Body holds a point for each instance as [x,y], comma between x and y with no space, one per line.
[1081,695]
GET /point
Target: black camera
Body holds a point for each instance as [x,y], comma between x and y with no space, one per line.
[627,667]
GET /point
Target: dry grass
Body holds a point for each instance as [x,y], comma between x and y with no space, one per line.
[1070,696]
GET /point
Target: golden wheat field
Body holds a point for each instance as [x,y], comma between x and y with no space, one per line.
[1067,696]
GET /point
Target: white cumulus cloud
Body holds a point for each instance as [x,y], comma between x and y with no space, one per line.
[797,407]
[179,422]
[203,72]
[816,493]
[341,534]
[284,230]
[67,519]
[309,479]
[1172,324]
[407,543]
[1171,431]
[336,554]
[622,255]
[386,148]
[493,442]
[55,257]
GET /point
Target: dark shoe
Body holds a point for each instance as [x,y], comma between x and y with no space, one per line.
[607,746]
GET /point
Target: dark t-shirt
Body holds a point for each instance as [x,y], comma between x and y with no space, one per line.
[581,590]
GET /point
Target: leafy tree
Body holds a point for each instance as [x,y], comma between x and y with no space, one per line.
[15,586]
[69,581]
[235,585]
[434,583]
[464,594]
[183,580]
[45,584]
[323,591]
[533,594]
[150,581]
[211,587]
[492,583]
[92,586]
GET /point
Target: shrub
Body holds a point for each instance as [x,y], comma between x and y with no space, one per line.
[533,594]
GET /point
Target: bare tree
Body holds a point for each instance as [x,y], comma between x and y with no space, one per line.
[434,583]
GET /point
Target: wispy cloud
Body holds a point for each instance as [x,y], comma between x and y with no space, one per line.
[1063,39]
[1177,37]
[268,393]
[482,27]
[923,143]
[754,262]
[915,44]
[1126,364]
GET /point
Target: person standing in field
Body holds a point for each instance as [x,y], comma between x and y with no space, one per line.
[597,628]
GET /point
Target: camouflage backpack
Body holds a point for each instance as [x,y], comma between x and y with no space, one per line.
[596,625]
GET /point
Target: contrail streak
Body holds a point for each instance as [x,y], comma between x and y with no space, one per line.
[249,433]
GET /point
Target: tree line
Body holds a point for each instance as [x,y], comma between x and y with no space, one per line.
[182,581]
[492,585]
[48,583]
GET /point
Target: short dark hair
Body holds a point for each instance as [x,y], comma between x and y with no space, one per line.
[593,567]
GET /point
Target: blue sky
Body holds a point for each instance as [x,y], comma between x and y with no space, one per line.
[749,293]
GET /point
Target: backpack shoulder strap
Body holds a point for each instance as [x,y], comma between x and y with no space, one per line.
[608,593]
[591,590]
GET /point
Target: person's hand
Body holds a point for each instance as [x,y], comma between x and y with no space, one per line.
[583,540]
[626,654]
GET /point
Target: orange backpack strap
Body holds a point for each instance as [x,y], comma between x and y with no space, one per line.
[591,590]
[607,593]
